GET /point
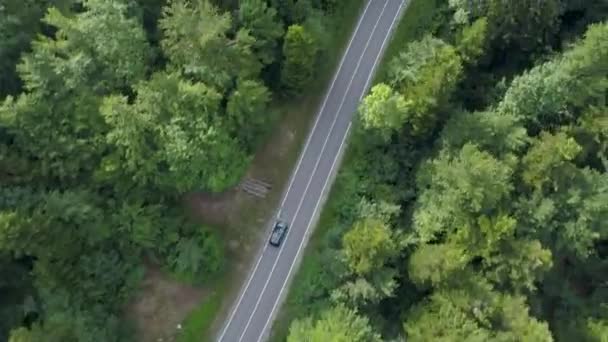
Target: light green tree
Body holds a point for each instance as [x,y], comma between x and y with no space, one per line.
[196,40]
[474,312]
[425,74]
[472,41]
[384,109]
[338,324]
[548,158]
[433,264]
[100,48]
[172,138]
[368,245]
[458,188]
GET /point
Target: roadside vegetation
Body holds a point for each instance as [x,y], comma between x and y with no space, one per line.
[110,112]
[472,201]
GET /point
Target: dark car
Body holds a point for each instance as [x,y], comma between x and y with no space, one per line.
[278,233]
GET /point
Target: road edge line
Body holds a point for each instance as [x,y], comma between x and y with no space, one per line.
[312,176]
[332,174]
[292,177]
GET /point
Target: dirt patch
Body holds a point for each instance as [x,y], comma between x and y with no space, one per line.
[161,304]
[212,209]
[240,218]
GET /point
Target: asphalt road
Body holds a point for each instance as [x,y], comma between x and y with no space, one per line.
[251,317]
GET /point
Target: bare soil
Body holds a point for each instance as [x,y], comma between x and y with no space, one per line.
[161,304]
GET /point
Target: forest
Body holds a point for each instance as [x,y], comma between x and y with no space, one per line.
[473,201]
[109,112]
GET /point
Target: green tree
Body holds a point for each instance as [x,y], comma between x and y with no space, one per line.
[547,158]
[499,134]
[338,324]
[172,138]
[196,257]
[568,215]
[101,48]
[384,109]
[300,51]
[433,264]
[368,245]
[474,312]
[558,91]
[248,113]
[473,41]
[264,25]
[196,40]
[56,123]
[61,133]
[425,74]
[458,188]
[19,22]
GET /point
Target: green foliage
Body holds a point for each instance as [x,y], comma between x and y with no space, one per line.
[116,108]
[249,113]
[425,74]
[474,313]
[167,139]
[85,52]
[502,235]
[547,157]
[499,134]
[555,92]
[525,24]
[300,51]
[56,124]
[367,246]
[19,22]
[195,32]
[197,257]
[469,183]
[436,263]
[384,109]
[473,40]
[338,324]
[263,24]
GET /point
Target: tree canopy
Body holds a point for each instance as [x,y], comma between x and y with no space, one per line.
[487,130]
[112,111]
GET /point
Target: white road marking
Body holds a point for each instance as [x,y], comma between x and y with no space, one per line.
[257,304]
[371,74]
[293,176]
[274,307]
[331,87]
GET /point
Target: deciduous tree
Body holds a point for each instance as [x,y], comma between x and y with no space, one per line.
[338,324]
[300,52]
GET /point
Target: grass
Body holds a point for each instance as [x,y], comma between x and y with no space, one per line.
[308,267]
[272,163]
[201,318]
[415,22]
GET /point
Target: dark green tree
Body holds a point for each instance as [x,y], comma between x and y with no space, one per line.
[300,52]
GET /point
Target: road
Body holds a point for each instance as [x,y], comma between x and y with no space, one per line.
[251,316]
